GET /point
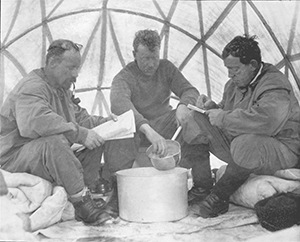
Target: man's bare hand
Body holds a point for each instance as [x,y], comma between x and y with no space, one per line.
[158,142]
[93,140]
[212,115]
[205,102]
[113,117]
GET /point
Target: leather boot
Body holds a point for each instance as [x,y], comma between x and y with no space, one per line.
[197,194]
[211,206]
[100,188]
[217,202]
[87,211]
[198,156]
[233,177]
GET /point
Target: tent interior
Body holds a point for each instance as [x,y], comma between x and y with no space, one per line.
[193,34]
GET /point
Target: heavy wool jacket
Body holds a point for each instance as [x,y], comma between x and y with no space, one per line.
[267,106]
[149,97]
[36,109]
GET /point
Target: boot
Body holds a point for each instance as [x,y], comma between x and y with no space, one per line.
[87,211]
[112,202]
[196,194]
[198,157]
[100,188]
[211,206]
[233,177]
[217,202]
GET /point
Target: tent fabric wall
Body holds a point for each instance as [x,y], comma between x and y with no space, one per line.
[193,36]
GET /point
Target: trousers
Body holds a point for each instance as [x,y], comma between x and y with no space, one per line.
[259,153]
[52,158]
[121,154]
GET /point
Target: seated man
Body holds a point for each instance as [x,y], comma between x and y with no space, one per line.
[145,86]
[39,123]
[255,128]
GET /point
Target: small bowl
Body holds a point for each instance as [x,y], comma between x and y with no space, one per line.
[168,162]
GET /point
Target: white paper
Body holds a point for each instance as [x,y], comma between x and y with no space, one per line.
[123,128]
[192,107]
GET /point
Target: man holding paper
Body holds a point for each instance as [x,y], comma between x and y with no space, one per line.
[40,121]
[255,128]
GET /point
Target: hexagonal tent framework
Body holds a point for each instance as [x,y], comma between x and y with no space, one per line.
[193,35]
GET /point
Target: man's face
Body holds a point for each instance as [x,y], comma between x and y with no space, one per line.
[147,60]
[240,73]
[66,71]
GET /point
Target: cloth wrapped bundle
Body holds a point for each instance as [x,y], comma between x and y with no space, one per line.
[259,187]
[35,198]
[276,199]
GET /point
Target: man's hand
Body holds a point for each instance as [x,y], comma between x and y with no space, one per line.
[113,117]
[205,102]
[212,115]
[93,140]
[158,142]
[182,114]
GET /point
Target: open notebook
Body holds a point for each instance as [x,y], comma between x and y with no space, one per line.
[123,128]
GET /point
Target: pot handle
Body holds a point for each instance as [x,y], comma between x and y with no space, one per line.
[177,133]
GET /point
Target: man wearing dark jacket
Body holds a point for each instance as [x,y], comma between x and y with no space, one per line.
[255,128]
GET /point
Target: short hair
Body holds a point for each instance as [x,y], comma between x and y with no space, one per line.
[147,37]
[58,48]
[244,47]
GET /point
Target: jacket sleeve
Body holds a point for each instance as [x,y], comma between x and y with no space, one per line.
[35,118]
[120,98]
[84,119]
[266,116]
[182,88]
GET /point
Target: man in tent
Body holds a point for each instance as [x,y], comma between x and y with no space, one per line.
[145,86]
[255,128]
[39,122]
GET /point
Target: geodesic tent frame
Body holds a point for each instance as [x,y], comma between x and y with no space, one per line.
[193,34]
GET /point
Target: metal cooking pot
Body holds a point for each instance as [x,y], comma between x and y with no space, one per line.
[149,195]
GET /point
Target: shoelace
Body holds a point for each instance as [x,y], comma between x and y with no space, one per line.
[86,197]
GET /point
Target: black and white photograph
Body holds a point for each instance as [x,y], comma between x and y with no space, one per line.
[150,121]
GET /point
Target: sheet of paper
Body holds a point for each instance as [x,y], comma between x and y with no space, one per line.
[192,107]
[123,128]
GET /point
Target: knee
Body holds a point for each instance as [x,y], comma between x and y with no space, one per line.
[245,150]
[55,142]
[245,140]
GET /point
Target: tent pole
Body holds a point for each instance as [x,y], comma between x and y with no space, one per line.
[245,17]
[204,50]
[43,13]
[2,82]
[12,24]
[268,28]
[209,33]
[292,34]
[166,27]
[103,38]
[115,41]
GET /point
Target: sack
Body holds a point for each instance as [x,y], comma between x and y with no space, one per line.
[279,211]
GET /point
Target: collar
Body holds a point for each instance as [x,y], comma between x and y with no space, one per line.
[258,73]
[44,77]
[244,89]
[60,91]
